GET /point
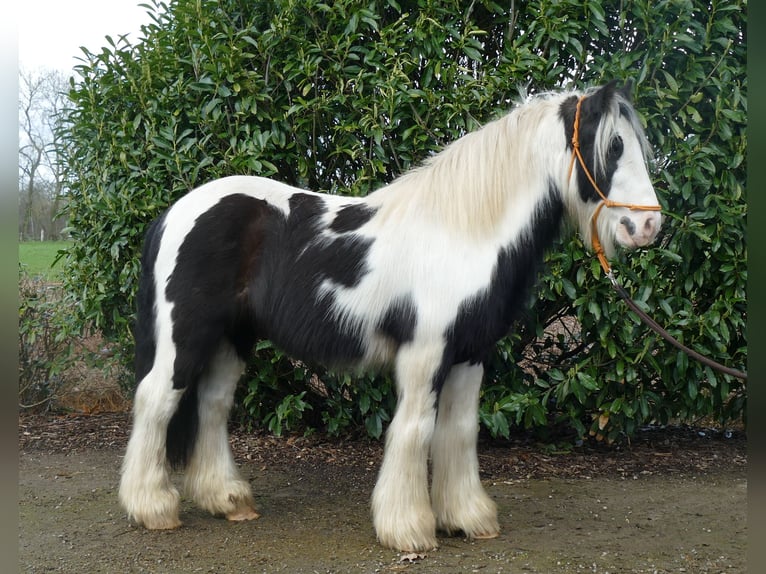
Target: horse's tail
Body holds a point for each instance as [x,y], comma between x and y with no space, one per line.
[146,312]
[182,429]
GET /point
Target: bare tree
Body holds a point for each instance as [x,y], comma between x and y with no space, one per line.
[41,99]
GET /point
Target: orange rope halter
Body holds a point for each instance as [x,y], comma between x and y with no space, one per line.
[605,201]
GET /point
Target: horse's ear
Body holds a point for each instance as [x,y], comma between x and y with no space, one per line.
[627,90]
[600,100]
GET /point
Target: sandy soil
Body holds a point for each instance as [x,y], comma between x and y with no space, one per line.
[673,501]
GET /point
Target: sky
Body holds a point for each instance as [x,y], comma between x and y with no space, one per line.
[50,32]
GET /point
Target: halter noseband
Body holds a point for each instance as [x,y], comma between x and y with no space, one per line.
[605,201]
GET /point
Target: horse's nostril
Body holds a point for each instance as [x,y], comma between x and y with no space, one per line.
[629,225]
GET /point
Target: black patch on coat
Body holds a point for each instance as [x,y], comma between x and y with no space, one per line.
[211,275]
[351,217]
[485,318]
[592,110]
[398,323]
[287,303]
[143,328]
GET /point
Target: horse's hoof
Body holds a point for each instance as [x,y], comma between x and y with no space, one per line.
[409,543]
[485,535]
[242,514]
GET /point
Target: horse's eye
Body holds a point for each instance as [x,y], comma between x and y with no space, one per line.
[616,147]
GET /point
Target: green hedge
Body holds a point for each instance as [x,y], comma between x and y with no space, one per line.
[344,96]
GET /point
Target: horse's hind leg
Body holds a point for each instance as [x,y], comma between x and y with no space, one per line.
[212,478]
[146,491]
[458,498]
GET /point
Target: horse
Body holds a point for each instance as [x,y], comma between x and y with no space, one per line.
[422,276]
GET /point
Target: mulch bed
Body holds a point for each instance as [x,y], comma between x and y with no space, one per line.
[679,450]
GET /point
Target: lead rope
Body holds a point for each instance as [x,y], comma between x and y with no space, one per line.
[599,251]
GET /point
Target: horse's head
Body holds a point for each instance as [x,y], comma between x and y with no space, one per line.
[610,193]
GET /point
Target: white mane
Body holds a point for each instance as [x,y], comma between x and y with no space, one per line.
[469,184]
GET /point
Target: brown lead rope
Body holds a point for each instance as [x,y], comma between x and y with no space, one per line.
[657,328]
[598,249]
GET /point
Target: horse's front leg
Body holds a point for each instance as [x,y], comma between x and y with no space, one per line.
[459,500]
[401,506]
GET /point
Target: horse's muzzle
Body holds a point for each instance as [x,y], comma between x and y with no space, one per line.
[639,228]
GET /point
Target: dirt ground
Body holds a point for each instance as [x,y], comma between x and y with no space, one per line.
[672,501]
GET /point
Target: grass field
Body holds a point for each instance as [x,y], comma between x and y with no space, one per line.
[36,258]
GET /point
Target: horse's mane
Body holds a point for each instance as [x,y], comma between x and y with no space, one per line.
[468,184]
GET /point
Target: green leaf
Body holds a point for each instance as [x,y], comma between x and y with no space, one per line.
[374,426]
[472,53]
